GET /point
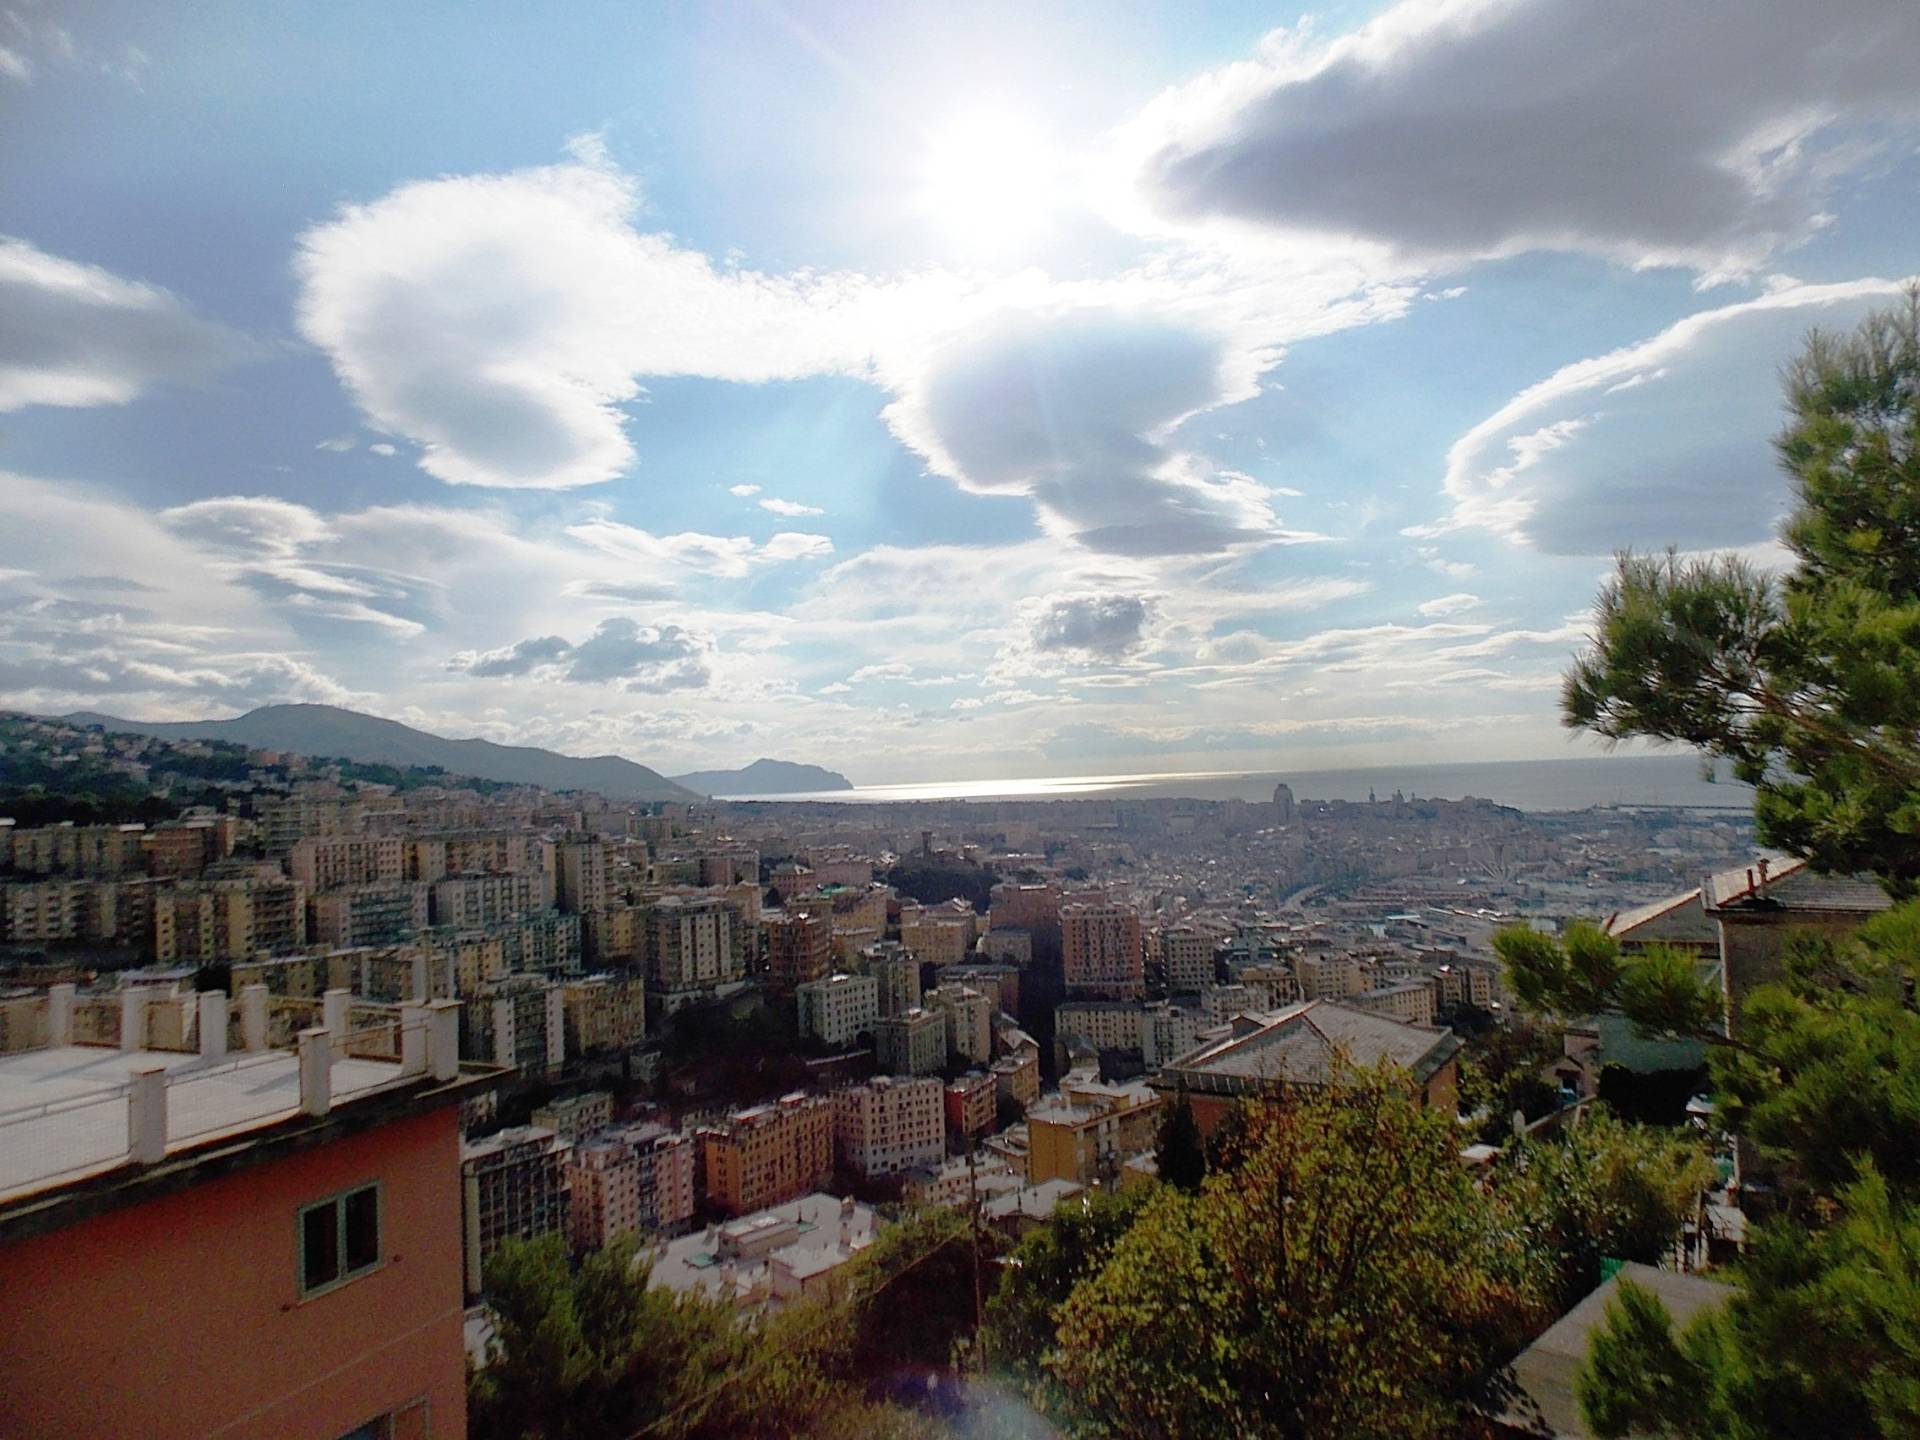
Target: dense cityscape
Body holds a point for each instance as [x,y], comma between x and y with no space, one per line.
[885,721]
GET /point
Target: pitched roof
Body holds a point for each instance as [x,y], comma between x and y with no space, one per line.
[1789,885]
[1300,1044]
[1683,917]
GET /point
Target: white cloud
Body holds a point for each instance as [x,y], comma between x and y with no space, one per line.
[726,555]
[1451,130]
[1456,604]
[1102,625]
[77,335]
[500,321]
[1663,442]
[642,658]
[382,448]
[789,508]
[743,491]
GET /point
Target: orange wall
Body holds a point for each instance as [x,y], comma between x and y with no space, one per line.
[180,1316]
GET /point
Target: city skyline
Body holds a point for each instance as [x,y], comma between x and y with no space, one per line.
[1118,389]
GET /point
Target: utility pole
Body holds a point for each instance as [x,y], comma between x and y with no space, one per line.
[973,1220]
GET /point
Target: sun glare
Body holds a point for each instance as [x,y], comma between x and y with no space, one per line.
[989,181]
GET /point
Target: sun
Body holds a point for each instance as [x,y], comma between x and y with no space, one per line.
[990,181]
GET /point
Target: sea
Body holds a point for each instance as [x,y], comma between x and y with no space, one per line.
[1672,781]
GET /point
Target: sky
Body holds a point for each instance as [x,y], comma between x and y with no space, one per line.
[925,391]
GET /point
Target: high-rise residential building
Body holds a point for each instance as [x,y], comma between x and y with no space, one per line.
[693,945]
[579,873]
[912,1042]
[1004,945]
[1409,1001]
[327,862]
[472,902]
[1186,958]
[373,914]
[889,1124]
[545,944]
[838,1008]
[969,1021]
[999,983]
[1283,808]
[1168,1031]
[575,1117]
[604,1012]
[767,1154]
[1103,1024]
[40,912]
[897,973]
[1033,908]
[1330,977]
[96,852]
[638,1179]
[481,852]
[181,849]
[799,947]
[519,1021]
[260,1256]
[616,935]
[208,921]
[971,1101]
[728,865]
[514,1187]
[1016,1078]
[1101,949]
[938,935]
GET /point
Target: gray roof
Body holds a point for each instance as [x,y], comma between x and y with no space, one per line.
[1299,1045]
[1793,885]
[1544,1404]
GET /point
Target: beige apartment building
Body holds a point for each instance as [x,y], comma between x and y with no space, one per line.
[604,1012]
[223,920]
[372,914]
[938,935]
[472,902]
[897,973]
[799,948]
[1186,958]
[913,1042]
[891,1123]
[579,867]
[514,1186]
[969,1020]
[693,945]
[326,862]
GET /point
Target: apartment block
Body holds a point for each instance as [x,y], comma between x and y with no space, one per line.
[891,1123]
[209,921]
[97,852]
[938,935]
[1103,1024]
[604,1012]
[897,973]
[473,902]
[799,947]
[576,1116]
[514,1186]
[693,945]
[1186,959]
[913,1042]
[971,1101]
[614,936]
[579,866]
[369,914]
[1017,1078]
[519,1021]
[327,862]
[767,1154]
[839,1008]
[1101,949]
[1411,1002]
[969,1019]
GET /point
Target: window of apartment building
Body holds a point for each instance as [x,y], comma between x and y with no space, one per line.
[339,1239]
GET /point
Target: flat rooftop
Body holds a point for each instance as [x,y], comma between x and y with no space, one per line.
[63,1111]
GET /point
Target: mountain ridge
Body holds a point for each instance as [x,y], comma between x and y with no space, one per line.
[331,730]
[764,777]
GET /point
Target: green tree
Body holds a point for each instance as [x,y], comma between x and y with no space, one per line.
[1348,1279]
[1602,1188]
[1041,1273]
[1809,684]
[1500,1072]
[1181,1157]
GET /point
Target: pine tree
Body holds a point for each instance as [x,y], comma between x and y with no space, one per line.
[1182,1159]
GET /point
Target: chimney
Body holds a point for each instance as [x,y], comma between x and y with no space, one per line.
[443,1038]
[133,1016]
[253,1017]
[147,1116]
[420,987]
[336,1009]
[414,1023]
[1762,889]
[60,1014]
[213,1024]
[316,1071]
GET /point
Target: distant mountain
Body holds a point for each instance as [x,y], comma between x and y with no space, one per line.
[765,777]
[325,730]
